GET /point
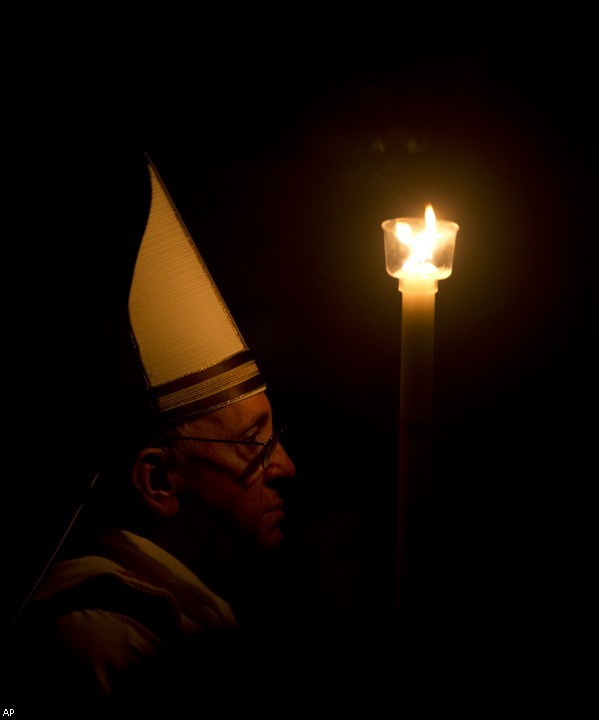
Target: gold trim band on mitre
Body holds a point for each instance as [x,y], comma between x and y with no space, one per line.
[212,387]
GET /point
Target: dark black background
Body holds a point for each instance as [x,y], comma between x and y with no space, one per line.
[284,147]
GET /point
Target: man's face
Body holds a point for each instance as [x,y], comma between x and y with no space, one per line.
[227,479]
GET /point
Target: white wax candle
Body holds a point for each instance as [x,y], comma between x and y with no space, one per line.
[419,254]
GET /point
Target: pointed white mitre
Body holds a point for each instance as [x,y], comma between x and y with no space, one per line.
[193,355]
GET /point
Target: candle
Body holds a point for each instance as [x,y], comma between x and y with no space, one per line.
[419,253]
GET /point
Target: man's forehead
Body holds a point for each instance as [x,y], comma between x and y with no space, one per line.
[248,411]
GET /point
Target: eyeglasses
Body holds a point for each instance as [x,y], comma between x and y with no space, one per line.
[268,447]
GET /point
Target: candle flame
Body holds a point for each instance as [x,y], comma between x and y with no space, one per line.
[430,221]
[421,244]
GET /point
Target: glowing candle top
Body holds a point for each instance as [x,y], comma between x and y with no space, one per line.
[419,252]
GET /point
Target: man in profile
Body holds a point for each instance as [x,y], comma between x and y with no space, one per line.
[135,610]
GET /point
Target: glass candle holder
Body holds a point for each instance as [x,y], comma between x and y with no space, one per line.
[419,251]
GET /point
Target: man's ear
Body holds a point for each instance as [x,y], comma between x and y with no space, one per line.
[154,483]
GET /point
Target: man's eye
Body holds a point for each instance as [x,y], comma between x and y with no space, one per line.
[257,435]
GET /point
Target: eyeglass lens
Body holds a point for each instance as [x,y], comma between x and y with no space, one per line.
[269,448]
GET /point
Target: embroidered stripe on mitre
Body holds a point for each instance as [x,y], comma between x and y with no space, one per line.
[192,352]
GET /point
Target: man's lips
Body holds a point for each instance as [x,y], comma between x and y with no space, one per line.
[275,511]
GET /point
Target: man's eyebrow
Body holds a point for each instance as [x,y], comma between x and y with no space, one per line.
[259,421]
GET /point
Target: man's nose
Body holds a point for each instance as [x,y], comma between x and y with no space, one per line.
[281,465]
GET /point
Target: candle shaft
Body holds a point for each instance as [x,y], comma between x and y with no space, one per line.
[415,448]
[416,371]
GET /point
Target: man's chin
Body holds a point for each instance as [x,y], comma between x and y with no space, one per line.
[271,539]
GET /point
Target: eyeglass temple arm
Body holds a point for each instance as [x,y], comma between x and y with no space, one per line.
[218,440]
